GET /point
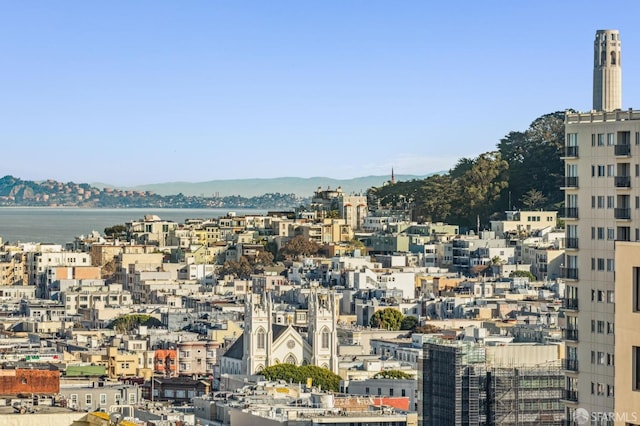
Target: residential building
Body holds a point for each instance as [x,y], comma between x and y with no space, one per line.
[602,198]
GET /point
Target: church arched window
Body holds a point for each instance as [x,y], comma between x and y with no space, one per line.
[290,359]
[259,368]
[261,339]
[325,338]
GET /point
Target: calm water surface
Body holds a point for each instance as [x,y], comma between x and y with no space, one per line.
[61,225]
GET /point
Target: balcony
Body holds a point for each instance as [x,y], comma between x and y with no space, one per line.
[622,150]
[571,243]
[570,213]
[622,181]
[570,334]
[569,273]
[571,181]
[571,364]
[570,395]
[570,152]
[622,213]
[571,303]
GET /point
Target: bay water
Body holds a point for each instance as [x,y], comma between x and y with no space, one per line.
[62,225]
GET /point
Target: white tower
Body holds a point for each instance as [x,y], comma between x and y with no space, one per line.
[323,334]
[258,334]
[607,72]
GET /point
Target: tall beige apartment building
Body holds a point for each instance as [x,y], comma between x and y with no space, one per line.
[602,214]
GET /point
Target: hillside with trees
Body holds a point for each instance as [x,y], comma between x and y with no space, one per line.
[524,172]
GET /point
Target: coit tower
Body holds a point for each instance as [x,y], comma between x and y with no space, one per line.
[607,72]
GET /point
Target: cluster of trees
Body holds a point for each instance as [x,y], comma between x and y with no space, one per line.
[127,323]
[392,319]
[321,377]
[524,172]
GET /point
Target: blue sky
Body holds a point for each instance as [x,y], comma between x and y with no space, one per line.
[136,92]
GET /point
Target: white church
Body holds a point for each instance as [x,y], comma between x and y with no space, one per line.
[265,343]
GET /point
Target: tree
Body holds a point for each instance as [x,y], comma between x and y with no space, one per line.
[427,329]
[533,199]
[480,186]
[115,231]
[299,246]
[127,323]
[393,374]
[526,274]
[434,201]
[408,323]
[387,318]
[321,377]
[238,268]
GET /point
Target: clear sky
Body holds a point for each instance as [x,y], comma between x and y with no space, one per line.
[137,92]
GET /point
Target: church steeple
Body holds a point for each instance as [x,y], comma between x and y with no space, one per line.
[393,177]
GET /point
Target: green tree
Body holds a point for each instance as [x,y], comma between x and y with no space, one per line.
[393,374]
[387,318]
[533,199]
[127,323]
[115,231]
[434,200]
[321,377]
[480,185]
[408,323]
[526,274]
[534,158]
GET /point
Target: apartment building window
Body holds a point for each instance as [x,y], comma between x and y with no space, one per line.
[610,329]
[610,202]
[88,399]
[593,171]
[611,359]
[132,398]
[601,170]
[600,296]
[600,326]
[73,399]
[600,389]
[379,391]
[593,357]
[611,234]
[637,202]
[637,170]
[610,265]
[600,266]
[593,268]
[600,233]
[593,326]
[636,289]
[601,358]
[600,201]
[391,392]
[611,170]
[637,138]
[611,139]
[103,399]
[610,391]
[636,368]
[593,140]
[600,139]
[593,232]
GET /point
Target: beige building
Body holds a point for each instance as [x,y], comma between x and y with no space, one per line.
[627,333]
[602,199]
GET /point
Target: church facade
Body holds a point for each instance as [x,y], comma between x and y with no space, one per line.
[265,343]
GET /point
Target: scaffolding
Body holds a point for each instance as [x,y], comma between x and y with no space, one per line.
[459,387]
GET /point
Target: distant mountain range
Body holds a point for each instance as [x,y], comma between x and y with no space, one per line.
[304,187]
